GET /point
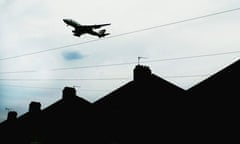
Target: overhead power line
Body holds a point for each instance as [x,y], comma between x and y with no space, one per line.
[51,88]
[47,50]
[191,57]
[126,63]
[93,66]
[123,34]
[97,79]
[177,22]
[13,72]
[176,76]
[186,76]
[147,61]
[23,86]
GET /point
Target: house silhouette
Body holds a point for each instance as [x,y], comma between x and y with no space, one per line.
[145,110]
[65,121]
[219,89]
[216,103]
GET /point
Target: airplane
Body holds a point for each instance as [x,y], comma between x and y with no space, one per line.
[86,29]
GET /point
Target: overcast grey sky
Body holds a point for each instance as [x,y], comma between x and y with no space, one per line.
[31,26]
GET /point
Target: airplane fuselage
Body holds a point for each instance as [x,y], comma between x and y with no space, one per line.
[83,29]
[71,22]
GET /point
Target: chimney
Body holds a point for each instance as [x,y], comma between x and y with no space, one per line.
[141,73]
[12,115]
[69,93]
[34,107]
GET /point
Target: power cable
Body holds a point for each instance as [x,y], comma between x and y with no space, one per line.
[126,63]
[100,79]
[51,88]
[186,76]
[123,34]
[97,79]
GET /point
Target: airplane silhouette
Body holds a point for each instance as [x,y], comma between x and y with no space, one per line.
[86,29]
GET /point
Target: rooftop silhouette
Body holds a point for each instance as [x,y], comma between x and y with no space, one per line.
[144,110]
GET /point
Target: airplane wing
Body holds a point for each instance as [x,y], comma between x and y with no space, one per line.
[98,26]
[77,33]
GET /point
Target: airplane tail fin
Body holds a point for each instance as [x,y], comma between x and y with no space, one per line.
[102,33]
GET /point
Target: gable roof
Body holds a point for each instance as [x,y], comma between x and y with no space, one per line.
[68,104]
[145,89]
[135,111]
[71,113]
[159,104]
[222,85]
[216,98]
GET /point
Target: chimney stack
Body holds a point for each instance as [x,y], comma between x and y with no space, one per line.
[34,107]
[141,73]
[69,93]
[12,115]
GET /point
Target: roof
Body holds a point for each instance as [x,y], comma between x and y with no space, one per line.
[216,99]
[221,87]
[71,113]
[136,111]
[145,89]
[224,80]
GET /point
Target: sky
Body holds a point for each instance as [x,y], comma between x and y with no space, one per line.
[30,28]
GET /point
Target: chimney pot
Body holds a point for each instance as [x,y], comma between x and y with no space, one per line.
[142,73]
[35,107]
[12,115]
[69,92]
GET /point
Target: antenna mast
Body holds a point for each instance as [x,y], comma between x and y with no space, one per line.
[8,109]
[139,58]
[76,87]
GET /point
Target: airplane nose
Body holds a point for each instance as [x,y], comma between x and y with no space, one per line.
[66,21]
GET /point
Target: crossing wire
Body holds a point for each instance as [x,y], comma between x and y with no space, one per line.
[77,79]
[100,79]
[123,34]
[126,63]
[50,88]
